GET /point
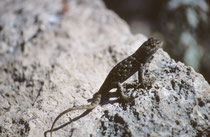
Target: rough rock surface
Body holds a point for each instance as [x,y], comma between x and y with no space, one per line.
[51,61]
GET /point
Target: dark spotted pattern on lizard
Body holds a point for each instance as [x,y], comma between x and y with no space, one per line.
[120,73]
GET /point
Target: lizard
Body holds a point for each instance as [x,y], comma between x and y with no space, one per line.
[120,73]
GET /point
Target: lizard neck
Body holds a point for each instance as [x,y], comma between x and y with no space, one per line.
[142,55]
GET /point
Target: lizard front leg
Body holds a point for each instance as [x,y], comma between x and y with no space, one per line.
[141,75]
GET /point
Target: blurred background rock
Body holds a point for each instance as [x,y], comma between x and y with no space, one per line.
[184,25]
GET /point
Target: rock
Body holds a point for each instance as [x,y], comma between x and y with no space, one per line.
[52,61]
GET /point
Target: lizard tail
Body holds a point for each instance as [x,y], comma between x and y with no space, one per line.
[94,103]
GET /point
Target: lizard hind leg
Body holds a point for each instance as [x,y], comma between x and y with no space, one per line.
[123,97]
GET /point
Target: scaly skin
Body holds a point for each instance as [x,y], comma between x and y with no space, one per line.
[120,73]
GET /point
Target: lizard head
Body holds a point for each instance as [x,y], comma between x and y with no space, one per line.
[149,47]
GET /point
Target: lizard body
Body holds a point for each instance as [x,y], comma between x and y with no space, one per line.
[120,73]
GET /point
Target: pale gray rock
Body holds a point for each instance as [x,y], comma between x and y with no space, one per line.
[50,62]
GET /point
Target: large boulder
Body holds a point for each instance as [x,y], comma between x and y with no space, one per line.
[52,60]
